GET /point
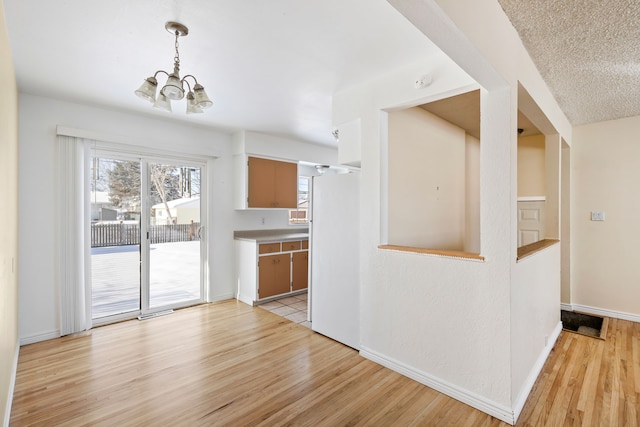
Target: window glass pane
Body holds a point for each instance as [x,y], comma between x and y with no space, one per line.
[300,215]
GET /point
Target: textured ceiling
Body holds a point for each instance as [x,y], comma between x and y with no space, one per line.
[587,51]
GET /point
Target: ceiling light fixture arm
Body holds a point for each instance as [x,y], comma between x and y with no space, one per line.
[160,71]
[186,82]
[184,79]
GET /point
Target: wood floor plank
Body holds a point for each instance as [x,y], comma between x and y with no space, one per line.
[538,404]
[232,364]
[635,348]
[565,389]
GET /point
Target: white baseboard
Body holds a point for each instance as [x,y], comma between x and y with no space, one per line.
[601,312]
[246,300]
[566,307]
[535,372]
[494,409]
[40,337]
[12,387]
[223,297]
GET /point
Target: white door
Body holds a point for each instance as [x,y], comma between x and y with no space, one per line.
[530,221]
[335,275]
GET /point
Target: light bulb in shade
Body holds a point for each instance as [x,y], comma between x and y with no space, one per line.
[173,88]
[201,96]
[192,105]
[147,90]
[162,102]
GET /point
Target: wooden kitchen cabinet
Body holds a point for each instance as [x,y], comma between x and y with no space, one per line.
[274,277]
[300,270]
[272,184]
[271,269]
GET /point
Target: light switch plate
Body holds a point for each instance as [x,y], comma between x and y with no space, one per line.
[597,216]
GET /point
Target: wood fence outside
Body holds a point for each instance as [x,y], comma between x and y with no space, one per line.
[129,234]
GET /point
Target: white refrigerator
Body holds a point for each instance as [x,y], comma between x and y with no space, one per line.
[335,272]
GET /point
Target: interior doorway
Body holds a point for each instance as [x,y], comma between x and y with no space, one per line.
[146,235]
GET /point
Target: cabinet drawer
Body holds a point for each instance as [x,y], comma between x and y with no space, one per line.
[305,244]
[267,248]
[290,246]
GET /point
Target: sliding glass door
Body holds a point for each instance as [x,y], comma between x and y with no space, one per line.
[175,232]
[146,235]
[115,236]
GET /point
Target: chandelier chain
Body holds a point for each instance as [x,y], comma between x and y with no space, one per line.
[176,59]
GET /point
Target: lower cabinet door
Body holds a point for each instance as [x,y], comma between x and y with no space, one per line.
[300,273]
[274,276]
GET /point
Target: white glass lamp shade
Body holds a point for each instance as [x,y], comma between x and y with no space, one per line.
[173,88]
[201,96]
[147,90]
[162,102]
[192,105]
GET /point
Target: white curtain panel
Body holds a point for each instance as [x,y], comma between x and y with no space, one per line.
[73,232]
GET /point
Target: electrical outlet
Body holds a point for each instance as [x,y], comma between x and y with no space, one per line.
[597,216]
[262,220]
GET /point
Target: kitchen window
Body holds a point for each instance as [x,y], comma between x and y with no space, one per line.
[301,214]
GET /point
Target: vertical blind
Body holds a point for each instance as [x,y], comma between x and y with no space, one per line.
[73,253]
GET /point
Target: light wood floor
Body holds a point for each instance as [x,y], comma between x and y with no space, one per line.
[230,364]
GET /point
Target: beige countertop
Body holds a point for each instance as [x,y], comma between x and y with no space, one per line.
[271,235]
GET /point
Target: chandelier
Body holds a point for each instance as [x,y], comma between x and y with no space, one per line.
[173,89]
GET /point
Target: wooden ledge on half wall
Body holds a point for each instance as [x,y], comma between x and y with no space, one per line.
[440,252]
[532,248]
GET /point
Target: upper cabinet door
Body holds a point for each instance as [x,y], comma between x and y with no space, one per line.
[286,185]
[262,174]
[272,184]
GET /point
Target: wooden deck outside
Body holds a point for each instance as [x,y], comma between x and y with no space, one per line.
[174,276]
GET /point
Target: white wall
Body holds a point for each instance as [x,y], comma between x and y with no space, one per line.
[426,201]
[9,220]
[605,173]
[472,197]
[553,165]
[39,311]
[531,168]
[440,320]
[499,48]
[448,322]
[565,228]
[535,317]
[262,144]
